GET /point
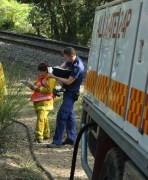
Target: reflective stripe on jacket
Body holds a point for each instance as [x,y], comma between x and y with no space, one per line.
[38,96]
[43,105]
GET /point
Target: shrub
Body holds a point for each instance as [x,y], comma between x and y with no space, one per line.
[13,16]
[14,100]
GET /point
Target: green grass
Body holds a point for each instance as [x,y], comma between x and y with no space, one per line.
[14,100]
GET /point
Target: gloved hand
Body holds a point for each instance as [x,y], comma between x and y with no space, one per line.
[56,92]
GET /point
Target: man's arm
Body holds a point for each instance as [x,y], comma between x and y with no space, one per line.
[63,65]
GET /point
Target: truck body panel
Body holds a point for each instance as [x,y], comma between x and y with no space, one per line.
[105,63]
[136,117]
[122,61]
[116,84]
[93,58]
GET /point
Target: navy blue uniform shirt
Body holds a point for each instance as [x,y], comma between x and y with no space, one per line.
[77,72]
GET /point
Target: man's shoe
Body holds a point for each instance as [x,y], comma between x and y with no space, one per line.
[52,145]
[68,141]
[39,140]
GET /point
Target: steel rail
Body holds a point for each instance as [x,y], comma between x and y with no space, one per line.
[47,45]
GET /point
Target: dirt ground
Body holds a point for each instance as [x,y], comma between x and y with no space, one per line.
[56,161]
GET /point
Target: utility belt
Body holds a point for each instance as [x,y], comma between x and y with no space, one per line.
[76,94]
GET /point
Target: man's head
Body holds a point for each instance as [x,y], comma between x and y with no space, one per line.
[43,69]
[69,54]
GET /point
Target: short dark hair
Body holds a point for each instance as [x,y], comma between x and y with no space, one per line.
[69,51]
[43,67]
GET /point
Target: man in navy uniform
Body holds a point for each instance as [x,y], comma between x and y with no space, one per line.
[65,115]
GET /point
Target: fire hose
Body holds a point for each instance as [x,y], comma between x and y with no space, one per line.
[48,174]
[73,165]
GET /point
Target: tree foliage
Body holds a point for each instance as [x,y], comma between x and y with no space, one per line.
[13,16]
[65,20]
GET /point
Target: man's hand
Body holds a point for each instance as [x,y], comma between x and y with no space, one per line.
[28,84]
[31,86]
[51,75]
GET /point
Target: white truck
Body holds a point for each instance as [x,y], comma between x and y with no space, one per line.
[116,93]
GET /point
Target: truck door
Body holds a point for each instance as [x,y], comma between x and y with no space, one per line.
[143,126]
[93,56]
[136,124]
[106,56]
[122,61]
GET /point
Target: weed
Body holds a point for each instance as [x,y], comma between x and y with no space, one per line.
[13,100]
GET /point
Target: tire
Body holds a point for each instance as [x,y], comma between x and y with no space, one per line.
[113,165]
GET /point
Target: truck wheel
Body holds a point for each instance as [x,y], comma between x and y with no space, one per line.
[113,165]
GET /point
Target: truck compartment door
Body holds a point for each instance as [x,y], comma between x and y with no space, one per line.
[106,56]
[122,62]
[136,124]
[90,78]
[143,126]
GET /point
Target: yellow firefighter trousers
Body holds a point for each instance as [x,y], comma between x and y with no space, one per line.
[42,125]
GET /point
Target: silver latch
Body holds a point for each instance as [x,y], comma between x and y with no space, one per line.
[141,51]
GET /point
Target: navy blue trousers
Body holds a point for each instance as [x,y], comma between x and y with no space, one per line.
[65,118]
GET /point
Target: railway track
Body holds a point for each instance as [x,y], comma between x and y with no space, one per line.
[47,45]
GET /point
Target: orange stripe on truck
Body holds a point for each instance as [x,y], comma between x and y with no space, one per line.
[145,116]
[89,83]
[101,88]
[117,97]
[135,107]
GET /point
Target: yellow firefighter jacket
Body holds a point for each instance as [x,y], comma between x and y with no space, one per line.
[45,88]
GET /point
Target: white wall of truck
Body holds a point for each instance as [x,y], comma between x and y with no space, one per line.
[117,77]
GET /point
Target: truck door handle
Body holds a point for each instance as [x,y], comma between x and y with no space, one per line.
[118,53]
[141,51]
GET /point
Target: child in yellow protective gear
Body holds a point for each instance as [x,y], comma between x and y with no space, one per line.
[42,99]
